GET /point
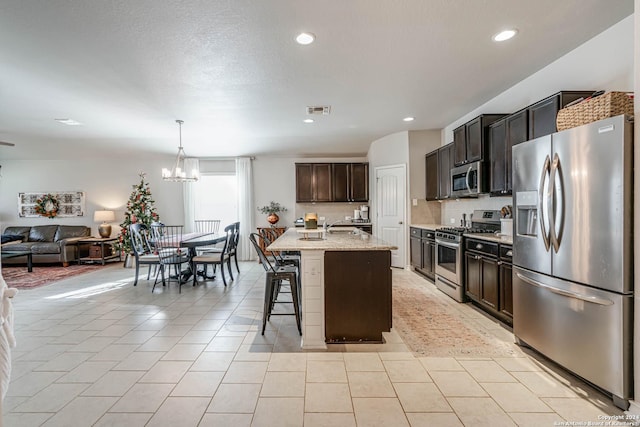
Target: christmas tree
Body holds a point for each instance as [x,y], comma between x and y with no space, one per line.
[140,209]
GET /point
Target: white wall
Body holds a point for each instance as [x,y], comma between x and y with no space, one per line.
[604,62]
[107,184]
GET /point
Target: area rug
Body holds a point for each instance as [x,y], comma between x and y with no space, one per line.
[431,326]
[19,277]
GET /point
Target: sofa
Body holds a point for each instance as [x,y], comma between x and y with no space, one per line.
[47,243]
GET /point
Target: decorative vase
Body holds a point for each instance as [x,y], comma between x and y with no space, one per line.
[273,218]
[128,261]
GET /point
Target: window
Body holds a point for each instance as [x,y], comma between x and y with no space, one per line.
[216,197]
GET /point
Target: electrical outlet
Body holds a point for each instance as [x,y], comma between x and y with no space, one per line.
[415,202]
[347,218]
[321,218]
[452,220]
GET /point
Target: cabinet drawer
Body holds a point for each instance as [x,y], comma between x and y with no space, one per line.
[416,232]
[506,253]
[482,246]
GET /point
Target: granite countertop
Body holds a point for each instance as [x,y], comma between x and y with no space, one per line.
[491,237]
[431,227]
[340,241]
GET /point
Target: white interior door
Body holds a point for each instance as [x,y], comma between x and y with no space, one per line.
[390,210]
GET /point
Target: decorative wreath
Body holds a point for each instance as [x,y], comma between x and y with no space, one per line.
[48,206]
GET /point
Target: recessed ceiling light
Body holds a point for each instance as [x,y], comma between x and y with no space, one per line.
[504,35]
[408,119]
[69,122]
[308,120]
[305,38]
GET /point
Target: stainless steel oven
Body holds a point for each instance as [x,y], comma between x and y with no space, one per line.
[449,278]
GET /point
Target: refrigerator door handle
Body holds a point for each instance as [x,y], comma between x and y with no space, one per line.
[543,230]
[586,298]
[557,203]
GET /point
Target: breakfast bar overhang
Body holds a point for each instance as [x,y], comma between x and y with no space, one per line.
[346,285]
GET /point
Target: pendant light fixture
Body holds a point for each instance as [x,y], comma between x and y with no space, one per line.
[181,172]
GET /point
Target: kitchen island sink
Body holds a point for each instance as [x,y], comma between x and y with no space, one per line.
[346,286]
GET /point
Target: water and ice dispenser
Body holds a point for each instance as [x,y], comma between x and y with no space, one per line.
[527,213]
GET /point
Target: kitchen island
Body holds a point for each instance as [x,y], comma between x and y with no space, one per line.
[346,286]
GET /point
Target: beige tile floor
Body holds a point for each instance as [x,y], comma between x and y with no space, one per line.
[95,351]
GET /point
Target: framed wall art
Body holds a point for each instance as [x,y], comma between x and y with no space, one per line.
[51,204]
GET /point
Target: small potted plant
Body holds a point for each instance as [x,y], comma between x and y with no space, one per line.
[272,210]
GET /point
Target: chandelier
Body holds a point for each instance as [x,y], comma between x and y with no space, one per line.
[181,172]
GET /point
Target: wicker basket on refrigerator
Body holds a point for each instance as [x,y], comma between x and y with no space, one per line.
[607,105]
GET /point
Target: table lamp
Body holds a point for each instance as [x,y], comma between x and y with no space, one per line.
[311,221]
[104,216]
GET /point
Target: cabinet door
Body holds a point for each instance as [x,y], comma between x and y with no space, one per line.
[445,161]
[490,282]
[517,132]
[431,168]
[415,247]
[497,161]
[429,259]
[472,276]
[322,182]
[506,290]
[359,182]
[304,182]
[341,182]
[542,117]
[474,140]
[460,145]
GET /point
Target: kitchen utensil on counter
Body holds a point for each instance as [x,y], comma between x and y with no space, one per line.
[357,214]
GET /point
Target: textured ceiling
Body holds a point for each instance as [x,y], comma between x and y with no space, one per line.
[232,71]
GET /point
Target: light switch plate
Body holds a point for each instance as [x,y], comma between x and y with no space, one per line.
[452,220]
[415,202]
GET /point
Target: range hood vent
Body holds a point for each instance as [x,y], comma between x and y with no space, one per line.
[323,110]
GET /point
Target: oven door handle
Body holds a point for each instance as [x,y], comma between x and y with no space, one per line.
[448,245]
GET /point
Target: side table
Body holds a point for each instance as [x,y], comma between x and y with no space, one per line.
[100,250]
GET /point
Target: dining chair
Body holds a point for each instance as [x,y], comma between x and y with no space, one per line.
[167,241]
[207,226]
[142,250]
[233,251]
[273,282]
[216,258]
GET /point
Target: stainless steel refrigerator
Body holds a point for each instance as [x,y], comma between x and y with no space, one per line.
[572,253]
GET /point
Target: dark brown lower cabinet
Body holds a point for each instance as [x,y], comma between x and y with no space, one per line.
[506,290]
[357,295]
[488,277]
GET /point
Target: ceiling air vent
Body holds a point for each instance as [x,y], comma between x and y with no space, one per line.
[324,110]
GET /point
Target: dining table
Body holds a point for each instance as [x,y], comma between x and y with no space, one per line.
[193,241]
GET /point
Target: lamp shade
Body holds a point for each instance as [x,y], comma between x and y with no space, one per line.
[104,216]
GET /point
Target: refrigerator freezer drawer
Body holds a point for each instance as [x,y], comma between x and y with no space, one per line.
[588,331]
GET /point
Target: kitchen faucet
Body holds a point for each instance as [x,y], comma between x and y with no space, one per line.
[328,227]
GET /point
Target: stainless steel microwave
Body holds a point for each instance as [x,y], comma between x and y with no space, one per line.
[468,180]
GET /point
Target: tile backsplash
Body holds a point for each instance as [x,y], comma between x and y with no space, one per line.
[455,208]
[426,212]
[331,211]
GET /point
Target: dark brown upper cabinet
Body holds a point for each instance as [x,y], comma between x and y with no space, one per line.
[332,182]
[445,163]
[542,114]
[313,182]
[438,165]
[431,170]
[503,135]
[470,140]
[350,182]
